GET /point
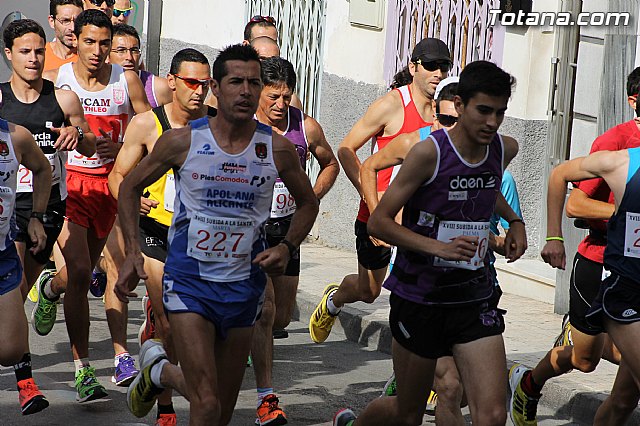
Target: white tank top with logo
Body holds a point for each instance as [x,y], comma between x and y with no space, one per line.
[8,182]
[108,109]
[221,204]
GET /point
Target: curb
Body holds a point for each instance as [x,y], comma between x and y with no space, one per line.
[569,400]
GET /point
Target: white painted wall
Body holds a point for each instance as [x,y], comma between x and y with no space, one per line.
[215,23]
[352,52]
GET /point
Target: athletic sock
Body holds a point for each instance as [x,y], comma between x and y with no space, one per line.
[118,357]
[262,392]
[529,386]
[333,309]
[165,409]
[23,368]
[48,291]
[81,363]
[156,372]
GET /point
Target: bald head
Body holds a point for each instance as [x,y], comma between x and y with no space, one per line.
[266,47]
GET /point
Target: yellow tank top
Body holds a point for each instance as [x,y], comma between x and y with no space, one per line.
[163,191]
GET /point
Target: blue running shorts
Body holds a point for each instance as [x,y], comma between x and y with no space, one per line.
[10,269]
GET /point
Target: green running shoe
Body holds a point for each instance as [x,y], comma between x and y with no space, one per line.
[87,386]
[43,315]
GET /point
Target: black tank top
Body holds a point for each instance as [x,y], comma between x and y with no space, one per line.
[37,117]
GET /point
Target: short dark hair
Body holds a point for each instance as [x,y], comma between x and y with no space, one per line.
[187,55]
[94,17]
[53,5]
[276,71]
[447,93]
[249,27]
[235,52]
[484,77]
[125,30]
[633,82]
[19,28]
[402,78]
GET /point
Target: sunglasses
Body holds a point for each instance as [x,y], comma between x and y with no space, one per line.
[259,18]
[443,66]
[97,3]
[123,12]
[194,83]
[447,120]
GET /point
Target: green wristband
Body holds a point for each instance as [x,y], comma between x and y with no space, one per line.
[555,239]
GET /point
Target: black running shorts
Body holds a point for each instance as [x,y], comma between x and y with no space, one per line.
[154,238]
[618,299]
[431,331]
[276,229]
[370,256]
[584,285]
[53,221]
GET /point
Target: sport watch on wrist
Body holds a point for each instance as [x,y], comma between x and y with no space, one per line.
[80,133]
[37,215]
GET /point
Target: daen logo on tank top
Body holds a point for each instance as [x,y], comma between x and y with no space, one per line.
[459,185]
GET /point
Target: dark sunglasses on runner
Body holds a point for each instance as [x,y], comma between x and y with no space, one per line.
[259,18]
[446,120]
[194,83]
[431,66]
[98,3]
[123,12]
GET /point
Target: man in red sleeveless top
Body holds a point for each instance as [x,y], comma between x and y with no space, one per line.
[402,110]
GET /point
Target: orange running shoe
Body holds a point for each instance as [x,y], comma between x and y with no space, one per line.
[269,413]
[167,420]
[148,328]
[31,399]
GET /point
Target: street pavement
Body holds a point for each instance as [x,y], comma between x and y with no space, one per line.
[312,381]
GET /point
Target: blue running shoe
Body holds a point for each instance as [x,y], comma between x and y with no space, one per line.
[98,283]
[125,372]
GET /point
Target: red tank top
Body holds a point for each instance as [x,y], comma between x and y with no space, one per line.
[412,122]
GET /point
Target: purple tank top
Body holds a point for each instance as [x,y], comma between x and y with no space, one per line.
[295,133]
[147,81]
[457,200]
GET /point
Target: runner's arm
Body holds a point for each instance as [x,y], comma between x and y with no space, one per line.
[138,131]
[371,124]
[321,150]
[580,205]
[137,95]
[74,115]
[163,92]
[30,155]
[391,155]
[296,102]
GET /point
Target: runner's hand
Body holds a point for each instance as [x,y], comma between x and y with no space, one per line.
[35,229]
[130,273]
[515,243]
[146,205]
[553,253]
[105,147]
[68,139]
[273,260]
[378,243]
[461,248]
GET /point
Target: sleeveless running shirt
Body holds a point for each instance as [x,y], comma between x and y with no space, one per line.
[622,254]
[163,190]
[8,182]
[148,81]
[412,122]
[38,117]
[222,202]
[108,109]
[457,200]
[53,61]
[283,203]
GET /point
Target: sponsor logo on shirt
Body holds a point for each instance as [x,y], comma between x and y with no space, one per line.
[466,182]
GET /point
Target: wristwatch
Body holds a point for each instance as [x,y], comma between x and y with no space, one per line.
[80,133]
[290,246]
[38,215]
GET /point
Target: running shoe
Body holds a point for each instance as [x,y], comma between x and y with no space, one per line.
[148,328]
[389,388]
[125,372]
[564,338]
[269,413]
[249,361]
[87,386]
[98,283]
[142,393]
[280,333]
[432,402]
[344,417]
[522,407]
[167,420]
[321,320]
[31,399]
[43,315]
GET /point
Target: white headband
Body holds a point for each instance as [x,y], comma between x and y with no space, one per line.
[447,81]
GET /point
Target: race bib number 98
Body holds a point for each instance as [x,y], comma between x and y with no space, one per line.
[283,203]
[219,239]
[450,230]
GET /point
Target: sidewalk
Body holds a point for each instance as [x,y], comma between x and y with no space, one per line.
[531,328]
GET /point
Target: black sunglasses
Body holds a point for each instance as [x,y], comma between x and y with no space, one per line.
[444,66]
[446,120]
[97,3]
